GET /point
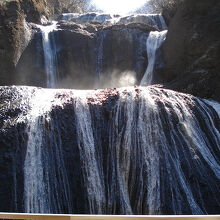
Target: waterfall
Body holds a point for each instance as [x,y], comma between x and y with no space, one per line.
[154,41]
[44,171]
[92,176]
[162,22]
[99,57]
[140,150]
[49,48]
[132,150]
[33,171]
[34,182]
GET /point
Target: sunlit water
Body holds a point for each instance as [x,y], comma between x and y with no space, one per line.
[49,48]
[136,147]
[142,154]
[154,42]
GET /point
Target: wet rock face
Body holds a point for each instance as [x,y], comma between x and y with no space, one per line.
[76,56]
[106,151]
[13,140]
[15,33]
[8,35]
[192,49]
[87,54]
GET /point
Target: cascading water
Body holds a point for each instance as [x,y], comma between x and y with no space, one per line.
[42,180]
[163,23]
[154,41]
[49,48]
[134,150]
[86,144]
[115,66]
[34,185]
[99,59]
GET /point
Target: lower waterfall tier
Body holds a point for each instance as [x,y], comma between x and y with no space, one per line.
[134,150]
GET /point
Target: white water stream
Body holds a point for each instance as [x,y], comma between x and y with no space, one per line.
[49,48]
[154,41]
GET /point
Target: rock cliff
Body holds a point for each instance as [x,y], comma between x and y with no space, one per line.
[192,49]
[15,33]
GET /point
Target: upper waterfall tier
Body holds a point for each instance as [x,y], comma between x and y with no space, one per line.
[134,150]
[91,51]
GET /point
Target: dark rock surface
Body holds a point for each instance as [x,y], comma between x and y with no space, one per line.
[15,33]
[192,49]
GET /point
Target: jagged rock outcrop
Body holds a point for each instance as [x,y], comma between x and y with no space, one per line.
[192,49]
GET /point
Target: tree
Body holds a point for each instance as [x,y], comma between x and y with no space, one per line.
[79,6]
[158,6]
